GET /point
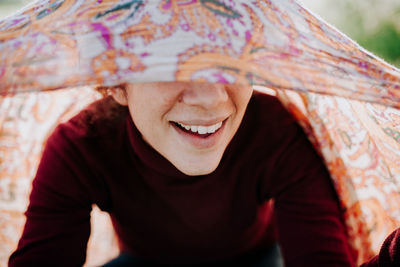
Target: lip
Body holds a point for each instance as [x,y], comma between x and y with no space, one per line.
[205,123]
[197,141]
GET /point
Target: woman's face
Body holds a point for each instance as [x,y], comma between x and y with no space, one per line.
[190,124]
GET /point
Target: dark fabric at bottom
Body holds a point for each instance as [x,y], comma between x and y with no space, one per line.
[270,258]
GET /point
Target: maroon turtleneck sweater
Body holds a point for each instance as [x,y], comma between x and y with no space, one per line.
[165,216]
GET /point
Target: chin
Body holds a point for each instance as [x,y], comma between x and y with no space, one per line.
[199,173]
[193,170]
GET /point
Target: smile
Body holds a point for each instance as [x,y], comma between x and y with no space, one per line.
[198,129]
[201,136]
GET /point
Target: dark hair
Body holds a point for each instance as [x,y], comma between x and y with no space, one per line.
[105,90]
[104,113]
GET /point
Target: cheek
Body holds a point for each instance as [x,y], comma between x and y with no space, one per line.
[146,118]
[149,118]
[241,97]
[157,104]
[144,107]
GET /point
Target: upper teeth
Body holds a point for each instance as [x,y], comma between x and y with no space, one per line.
[201,129]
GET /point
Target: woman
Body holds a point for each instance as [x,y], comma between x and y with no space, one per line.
[187,170]
[181,195]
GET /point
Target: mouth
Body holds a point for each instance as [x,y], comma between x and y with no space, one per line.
[201,131]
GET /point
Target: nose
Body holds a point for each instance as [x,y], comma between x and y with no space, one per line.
[204,95]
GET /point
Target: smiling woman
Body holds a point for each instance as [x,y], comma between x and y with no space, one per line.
[182,197]
[191,164]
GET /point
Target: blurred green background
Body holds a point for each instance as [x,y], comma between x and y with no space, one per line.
[374,24]
[7,7]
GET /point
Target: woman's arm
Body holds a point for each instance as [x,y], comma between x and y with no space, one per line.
[310,223]
[58,216]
